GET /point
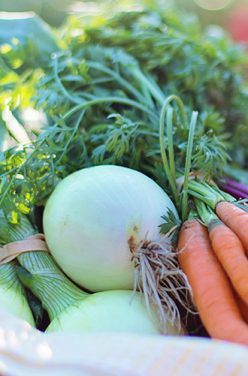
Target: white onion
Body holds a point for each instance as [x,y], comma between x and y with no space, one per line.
[13,301]
[109,311]
[92,217]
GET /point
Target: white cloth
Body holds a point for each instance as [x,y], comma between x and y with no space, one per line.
[25,351]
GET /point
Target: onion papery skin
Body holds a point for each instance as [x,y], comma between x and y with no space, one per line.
[109,311]
[93,217]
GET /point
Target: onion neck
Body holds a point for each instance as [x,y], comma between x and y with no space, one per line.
[8,275]
[41,274]
[55,291]
[9,279]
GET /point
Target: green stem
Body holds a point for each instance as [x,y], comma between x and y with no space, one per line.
[11,285]
[168,172]
[125,84]
[61,86]
[226,196]
[8,275]
[113,99]
[180,106]
[188,165]
[205,213]
[154,89]
[46,280]
[54,290]
[169,122]
[9,278]
[75,129]
[193,214]
[148,96]
[205,193]
[170,167]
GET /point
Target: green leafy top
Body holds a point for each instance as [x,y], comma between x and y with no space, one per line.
[206,71]
[103,93]
[171,226]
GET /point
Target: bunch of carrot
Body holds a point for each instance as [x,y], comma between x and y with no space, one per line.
[213,253]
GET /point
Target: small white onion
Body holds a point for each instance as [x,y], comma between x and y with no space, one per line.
[110,311]
[94,215]
[13,301]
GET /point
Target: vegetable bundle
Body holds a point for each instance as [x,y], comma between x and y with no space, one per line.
[108,102]
[69,307]
[219,253]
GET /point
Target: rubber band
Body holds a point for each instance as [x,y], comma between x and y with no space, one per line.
[10,251]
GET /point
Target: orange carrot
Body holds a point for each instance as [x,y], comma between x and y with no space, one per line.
[243,307]
[211,288]
[231,254]
[236,219]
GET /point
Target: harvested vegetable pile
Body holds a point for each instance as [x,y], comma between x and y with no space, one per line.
[163,107]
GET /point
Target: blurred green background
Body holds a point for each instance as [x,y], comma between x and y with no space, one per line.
[55,11]
[230,14]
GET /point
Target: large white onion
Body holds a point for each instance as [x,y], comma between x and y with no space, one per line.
[94,215]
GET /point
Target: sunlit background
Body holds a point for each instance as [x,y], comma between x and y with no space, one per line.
[231,14]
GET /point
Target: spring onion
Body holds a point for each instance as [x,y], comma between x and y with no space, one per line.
[39,263]
[93,219]
[12,295]
[102,228]
[109,311]
[106,311]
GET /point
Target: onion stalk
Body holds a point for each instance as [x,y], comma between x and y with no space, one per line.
[70,308]
[41,265]
[107,311]
[12,295]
